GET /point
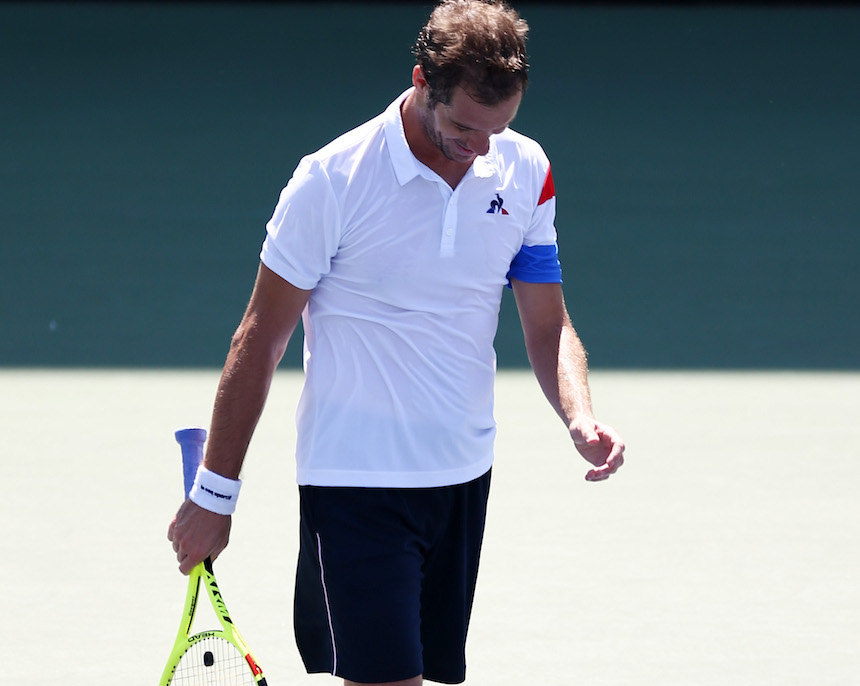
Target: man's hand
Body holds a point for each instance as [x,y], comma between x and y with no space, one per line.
[197,534]
[599,444]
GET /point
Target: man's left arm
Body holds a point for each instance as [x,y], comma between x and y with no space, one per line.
[558,359]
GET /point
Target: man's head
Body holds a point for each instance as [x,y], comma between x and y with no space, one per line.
[478,45]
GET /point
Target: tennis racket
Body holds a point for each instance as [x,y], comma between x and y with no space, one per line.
[217,657]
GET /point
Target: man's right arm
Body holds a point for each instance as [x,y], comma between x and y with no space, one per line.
[255,350]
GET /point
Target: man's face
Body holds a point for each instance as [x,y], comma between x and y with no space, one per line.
[461,129]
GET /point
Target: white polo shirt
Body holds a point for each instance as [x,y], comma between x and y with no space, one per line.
[407,277]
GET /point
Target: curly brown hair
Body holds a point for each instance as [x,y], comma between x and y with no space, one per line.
[479,45]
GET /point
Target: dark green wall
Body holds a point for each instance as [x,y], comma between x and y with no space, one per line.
[707,162]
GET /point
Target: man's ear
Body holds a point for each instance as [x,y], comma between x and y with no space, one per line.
[419,80]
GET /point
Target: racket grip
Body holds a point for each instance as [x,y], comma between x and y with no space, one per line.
[191,440]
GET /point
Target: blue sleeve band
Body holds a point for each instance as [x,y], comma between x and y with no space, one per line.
[536,264]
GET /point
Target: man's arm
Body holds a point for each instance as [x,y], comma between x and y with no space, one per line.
[559,362]
[255,350]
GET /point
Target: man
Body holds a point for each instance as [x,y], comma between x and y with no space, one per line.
[394,243]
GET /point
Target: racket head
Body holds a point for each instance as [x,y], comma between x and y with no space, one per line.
[212,657]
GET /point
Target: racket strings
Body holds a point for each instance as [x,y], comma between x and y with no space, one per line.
[213,661]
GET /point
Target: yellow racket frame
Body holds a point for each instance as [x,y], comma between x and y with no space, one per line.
[228,631]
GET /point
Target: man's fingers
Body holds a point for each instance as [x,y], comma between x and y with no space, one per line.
[197,534]
[597,475]
[608,468]
[601,473]
[188,560]
[186,565]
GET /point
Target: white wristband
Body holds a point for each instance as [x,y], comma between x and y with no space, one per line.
[214,492]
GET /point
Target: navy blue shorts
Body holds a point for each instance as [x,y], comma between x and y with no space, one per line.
[386,578]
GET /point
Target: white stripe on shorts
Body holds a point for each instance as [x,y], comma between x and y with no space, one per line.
[327,608]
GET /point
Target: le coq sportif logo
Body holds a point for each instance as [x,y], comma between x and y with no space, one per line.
[496,206]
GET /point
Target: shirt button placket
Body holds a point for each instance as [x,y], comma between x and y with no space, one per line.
[449,227]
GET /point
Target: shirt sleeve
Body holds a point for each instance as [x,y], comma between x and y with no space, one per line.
[536,264]
[303,234]
[537,261]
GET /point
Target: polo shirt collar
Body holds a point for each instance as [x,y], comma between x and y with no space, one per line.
[407,166]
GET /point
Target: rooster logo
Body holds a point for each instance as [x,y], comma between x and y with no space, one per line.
[496,206]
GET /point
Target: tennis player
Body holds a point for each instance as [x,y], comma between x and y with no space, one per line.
[394,244]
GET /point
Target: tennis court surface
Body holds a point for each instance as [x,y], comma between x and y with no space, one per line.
[724,552]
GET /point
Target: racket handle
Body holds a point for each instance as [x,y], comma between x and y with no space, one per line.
[191,440]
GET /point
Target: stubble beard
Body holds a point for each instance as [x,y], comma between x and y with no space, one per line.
[434,136]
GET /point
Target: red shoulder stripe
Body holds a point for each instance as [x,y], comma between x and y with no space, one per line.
[548,192]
